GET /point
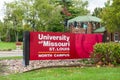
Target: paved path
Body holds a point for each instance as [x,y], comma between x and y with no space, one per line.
[11,53]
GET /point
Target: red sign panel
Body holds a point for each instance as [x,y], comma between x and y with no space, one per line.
[49,45]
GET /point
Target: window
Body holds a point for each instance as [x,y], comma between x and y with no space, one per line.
[116,37]
[94,26]
[85,26]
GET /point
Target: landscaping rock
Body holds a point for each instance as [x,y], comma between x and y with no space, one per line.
[16,66]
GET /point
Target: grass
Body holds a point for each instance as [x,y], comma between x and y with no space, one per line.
[75,73]
[7,46]
[1,69]
[11,58]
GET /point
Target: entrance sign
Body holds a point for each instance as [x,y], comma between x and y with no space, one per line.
[56,45]
[49,45]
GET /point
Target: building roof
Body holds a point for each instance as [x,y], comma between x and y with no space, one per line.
[100,30]
[85,19]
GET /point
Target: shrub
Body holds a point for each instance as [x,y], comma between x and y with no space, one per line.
[107,53]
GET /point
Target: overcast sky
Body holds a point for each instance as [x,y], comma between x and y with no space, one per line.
[2,7]
[92,4]
[95,3]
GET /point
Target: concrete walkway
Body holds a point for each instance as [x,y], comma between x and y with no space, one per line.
[12,53]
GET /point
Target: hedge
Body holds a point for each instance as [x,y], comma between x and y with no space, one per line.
[107,53]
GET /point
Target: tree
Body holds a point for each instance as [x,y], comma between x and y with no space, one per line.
[71,9]
[36,15]
[97,12]
[1,30]
[74,7]
[111,15]
[41,15]
[7,29]
[48,14]
[79,7]
[14,14]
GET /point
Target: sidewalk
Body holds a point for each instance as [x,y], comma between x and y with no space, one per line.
[11,53]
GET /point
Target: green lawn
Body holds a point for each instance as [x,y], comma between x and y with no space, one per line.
[76,73]
[11,58]
[7,45]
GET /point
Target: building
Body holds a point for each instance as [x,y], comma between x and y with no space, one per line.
[91,25]
[84,24]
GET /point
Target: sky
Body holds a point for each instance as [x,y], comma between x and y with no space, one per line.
[92,5]
[95,3]
[2,7]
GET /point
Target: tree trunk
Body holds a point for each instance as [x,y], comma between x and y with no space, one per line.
[16,36]
[8,36]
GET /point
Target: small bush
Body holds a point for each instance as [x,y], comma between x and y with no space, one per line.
[107,53]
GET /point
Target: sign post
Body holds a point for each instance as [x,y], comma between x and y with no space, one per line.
[26,49]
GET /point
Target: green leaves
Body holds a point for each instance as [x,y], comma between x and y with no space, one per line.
[111,15]
[109,52]
[97,12]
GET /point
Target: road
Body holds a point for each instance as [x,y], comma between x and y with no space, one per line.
[11,53]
